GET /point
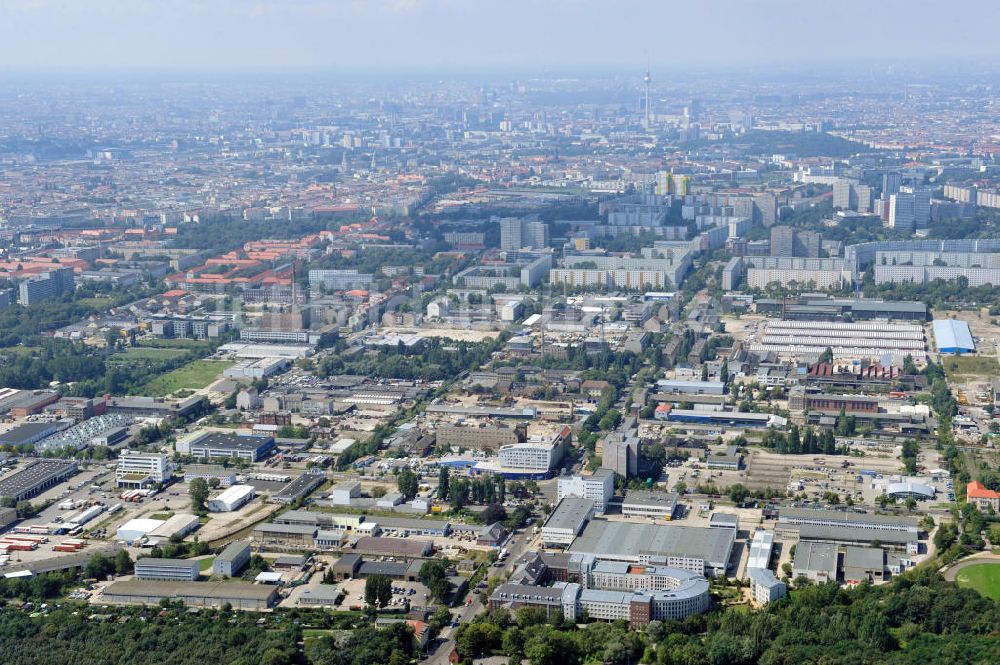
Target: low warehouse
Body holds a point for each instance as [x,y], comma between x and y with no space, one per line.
[194,594]
[231,499]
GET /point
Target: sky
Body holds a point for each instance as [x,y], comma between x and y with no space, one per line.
[488,35]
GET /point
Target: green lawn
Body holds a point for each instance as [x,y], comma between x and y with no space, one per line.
[205,564]
[147,354]
[983,577]
[155,342]
[194,375]
[971,366]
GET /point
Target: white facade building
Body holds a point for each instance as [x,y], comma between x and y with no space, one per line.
[599,488]
[138,470]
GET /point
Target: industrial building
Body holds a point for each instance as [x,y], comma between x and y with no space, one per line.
[566,521]
[232,499]
[816,561]
[151,568]
[35,477]
[225,476]
[221,445]
[846,340]
[790,518]
[231,561]
[701,550]
[238,595]
[649,504]
[953,337]
[298,488]
[28,434]
[286,536]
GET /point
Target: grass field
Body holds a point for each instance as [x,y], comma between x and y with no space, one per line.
[205,565]
[153,342]
[147,354]
[192,376]
[971,366]
[983,577]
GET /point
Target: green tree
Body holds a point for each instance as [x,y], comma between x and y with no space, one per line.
[198,491]
[408,484]
[434,576]
[443,477]
[378,590]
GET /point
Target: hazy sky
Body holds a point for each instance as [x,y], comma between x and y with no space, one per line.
[407,35]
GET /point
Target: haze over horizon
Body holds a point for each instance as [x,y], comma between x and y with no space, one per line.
[453,35]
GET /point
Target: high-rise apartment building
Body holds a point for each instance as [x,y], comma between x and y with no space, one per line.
[891,182]
[523,233]
[51,284]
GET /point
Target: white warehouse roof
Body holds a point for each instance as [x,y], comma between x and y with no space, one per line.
[952,335]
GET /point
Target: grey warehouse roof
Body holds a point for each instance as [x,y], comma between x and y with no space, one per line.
[627,540]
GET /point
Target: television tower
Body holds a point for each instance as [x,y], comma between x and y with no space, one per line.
[647,79]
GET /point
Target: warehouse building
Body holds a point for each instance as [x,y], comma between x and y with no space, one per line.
[28,434]
[225,476]
[284,536]
[648,504]
[233,559]
[760,549]
[789,518]
[953,337]
[701,550]
[850,535]
[238,595]
[406,527]
[394,547]
[847,340]
[175,526]
[566,521]
[232,499]
[321,595]
[299,488]
[151,568]
[816,561]
[35,477]
[864,564]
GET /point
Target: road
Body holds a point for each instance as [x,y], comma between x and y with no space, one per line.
[445,642]
[981,557]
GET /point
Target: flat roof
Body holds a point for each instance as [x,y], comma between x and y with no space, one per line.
[169,563]
[233,549]
[816,557]
[300,529]
[231,441]
[22,433]
[855,534]
[628,540]
[407,523]
[649,498]
[846,518]
[214,590]
[570,513]
[869,558]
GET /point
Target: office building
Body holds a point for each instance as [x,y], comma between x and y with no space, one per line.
[765,587]
[599,488]
[891,182]
[233,559]
[532,455]
[137,470]
[151,568]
